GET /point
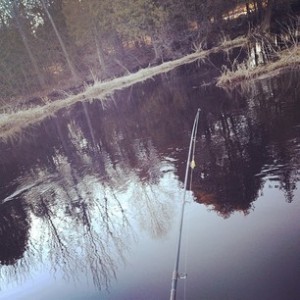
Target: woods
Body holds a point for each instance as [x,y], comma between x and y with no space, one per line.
[47,44]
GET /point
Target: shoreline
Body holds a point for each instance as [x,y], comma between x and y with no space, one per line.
[287,59]
[14,122]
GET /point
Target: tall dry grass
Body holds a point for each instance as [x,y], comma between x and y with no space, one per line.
[279,58]
[13,122]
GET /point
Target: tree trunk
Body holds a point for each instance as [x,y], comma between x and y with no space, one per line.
[118,45]
[266,22]
[100,54]
[96,33]
[248,10]
[27,47]
[62,45]
[99,49]
[259,9]
[157,48]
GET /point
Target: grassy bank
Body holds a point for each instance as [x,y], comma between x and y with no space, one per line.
[242,73]
[12,123]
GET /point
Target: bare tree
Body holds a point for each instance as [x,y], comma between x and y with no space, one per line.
[24,37]
[62,45]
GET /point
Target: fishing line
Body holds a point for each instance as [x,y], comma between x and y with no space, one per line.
[193,163]
[189,164]
[188,223]
[187,238]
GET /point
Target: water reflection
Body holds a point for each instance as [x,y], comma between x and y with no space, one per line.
[77,200]
[239,152]
[14,232]
[78,190]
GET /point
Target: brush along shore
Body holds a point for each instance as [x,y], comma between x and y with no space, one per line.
[12,123]
[286,60]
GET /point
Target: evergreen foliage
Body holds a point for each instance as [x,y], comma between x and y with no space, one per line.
[45,43]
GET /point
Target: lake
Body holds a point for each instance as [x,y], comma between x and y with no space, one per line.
[90,199]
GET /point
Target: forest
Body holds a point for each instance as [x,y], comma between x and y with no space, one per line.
[48,45]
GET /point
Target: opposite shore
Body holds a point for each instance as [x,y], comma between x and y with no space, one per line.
[14,120]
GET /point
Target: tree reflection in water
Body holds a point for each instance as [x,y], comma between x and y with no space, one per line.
[81,224]
[14,232]
[240,152]
[99,177]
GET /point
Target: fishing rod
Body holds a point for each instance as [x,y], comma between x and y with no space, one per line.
[189,164]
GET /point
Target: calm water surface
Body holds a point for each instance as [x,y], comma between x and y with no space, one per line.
[90,199]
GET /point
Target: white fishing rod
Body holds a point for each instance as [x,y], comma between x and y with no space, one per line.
[189,164]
